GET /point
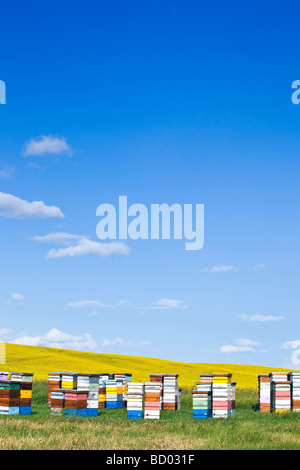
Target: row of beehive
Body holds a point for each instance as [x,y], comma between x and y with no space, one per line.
[215,396]
[101,390]
[15,393]
[279,392]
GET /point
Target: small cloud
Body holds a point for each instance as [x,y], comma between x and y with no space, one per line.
[167,304]
[258,267]
[95,306]
[295,346]
[247,342]
[59,238]
[122,303]
[228,349]
[291,344]
[88,247]
[7,172]
[241,345]
[121,342]
[220,269]
[59,339]
[116,342]
[260,318]
[87,304]
[46,145]
[15,208]
[5,334]
[94,313]
[16,296]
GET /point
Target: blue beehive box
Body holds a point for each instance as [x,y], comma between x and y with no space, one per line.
[201,414]
[75,412]
[112,404]
[92,411]
[134,415]
[25,410]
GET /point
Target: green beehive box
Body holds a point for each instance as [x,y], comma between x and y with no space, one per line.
[8,385]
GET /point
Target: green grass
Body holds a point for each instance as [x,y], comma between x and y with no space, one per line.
[175,430]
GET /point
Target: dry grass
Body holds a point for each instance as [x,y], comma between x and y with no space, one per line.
[175,431]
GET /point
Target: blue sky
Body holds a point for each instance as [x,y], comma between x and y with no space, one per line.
[163,102]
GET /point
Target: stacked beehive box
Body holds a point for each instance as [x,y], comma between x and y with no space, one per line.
[69,380]
[281,399]
[279,377]
[135,400]
[57,401]
[202,398]
[221,396]
[125,378]
[207,378]
[204,386]
[54,381]
[102,393]
[114,394]
[153,399]
[170,388]
[90,382]
[264,393]
[294,378]
[76,402]
[26,390]
[158,378]
[120,377]
[9,397]
[201,404]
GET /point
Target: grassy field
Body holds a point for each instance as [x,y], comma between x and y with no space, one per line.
[176,430]
[43,360]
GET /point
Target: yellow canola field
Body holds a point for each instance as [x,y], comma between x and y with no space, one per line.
[40,361]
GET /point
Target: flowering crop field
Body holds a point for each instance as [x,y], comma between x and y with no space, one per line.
[40,361]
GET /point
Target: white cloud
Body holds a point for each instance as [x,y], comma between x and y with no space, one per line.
[95,305]
[116,342]
[220,268]
[295,346]
[260,318]
[246,342]
[59,339]
[258,267]
[241,345]
[16,208]
[87,247]
[229,268]
[167,304]
[5,334]
[120,342]
[144,343]
[17,296]
[59,238]
[227,349]
[87,304]
[46,145]
[7,172]
[291,344]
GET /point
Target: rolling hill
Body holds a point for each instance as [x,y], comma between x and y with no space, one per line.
[42,360]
